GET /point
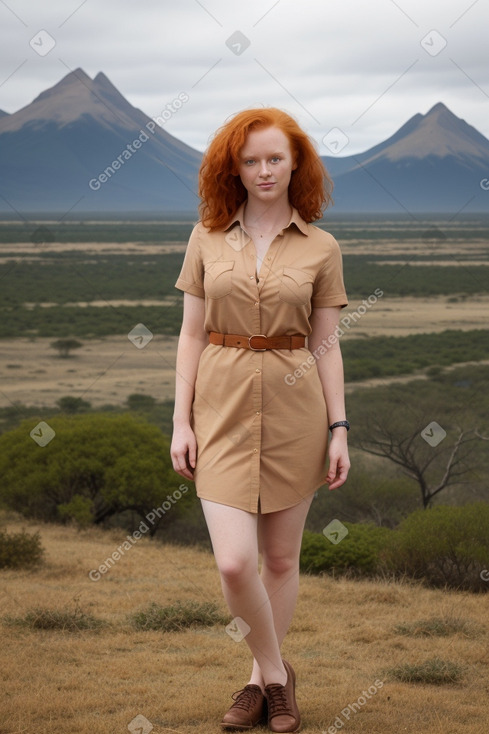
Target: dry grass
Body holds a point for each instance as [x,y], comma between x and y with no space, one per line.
[343,639]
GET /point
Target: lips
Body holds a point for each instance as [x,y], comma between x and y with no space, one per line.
[267,185]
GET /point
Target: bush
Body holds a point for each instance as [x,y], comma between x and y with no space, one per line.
[57,619]
[20,550]
[443,546]
[177,617]
[434,671]
[357,553]
[79,510]
[96,466]
[439,627]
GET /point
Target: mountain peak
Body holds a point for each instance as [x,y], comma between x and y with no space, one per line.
[73,79]
[76,96]
[437,108]
[438,133]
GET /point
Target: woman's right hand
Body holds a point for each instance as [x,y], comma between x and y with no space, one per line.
[183,451]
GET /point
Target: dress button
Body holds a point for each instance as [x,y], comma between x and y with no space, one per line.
[258,412]
[252,277]
[257,303]
[255,451]
[257,370]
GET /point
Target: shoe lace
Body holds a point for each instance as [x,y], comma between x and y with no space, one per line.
[246,698]
[277,700]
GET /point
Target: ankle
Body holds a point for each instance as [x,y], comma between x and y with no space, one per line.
[277,676]
[257,681]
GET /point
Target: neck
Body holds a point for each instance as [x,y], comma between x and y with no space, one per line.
[267,217]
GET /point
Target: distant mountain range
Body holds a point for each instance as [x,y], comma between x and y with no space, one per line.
[81,147]
[433,163]
[53,154]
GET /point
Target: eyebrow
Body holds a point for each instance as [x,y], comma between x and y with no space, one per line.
[270,155]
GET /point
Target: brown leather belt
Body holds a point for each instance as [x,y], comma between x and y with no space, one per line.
[257,342]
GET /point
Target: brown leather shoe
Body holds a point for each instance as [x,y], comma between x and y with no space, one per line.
[247,710]
[283,714]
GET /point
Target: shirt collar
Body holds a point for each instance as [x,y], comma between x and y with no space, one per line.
[295,218]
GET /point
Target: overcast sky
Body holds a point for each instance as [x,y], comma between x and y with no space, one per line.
[364,67]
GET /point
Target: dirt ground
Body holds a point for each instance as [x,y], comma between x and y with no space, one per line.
[110,369]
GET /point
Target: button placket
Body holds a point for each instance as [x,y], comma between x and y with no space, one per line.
[256,424]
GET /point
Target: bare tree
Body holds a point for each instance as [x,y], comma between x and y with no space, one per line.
[434,464]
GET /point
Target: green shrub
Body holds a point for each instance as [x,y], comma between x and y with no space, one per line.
[178,616]
[20,550]
[79,510]
[108,463]
[443,546]
[357,553]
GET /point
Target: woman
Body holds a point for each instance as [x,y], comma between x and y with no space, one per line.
[259,278]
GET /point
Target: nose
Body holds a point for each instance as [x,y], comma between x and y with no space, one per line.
[264,170]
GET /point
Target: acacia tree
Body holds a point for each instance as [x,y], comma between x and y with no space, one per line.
[434,466]
[65,346]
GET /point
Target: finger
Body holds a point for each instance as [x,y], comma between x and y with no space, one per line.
[179,462]
[333,463]
[192,455]
[340,479]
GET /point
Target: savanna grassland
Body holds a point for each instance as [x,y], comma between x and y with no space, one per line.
[346,641]
[417,352]
[96,281]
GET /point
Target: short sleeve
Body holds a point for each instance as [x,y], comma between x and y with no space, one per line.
[191,278]
[329,288]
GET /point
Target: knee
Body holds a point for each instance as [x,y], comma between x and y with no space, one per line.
[280,564]
[235,571]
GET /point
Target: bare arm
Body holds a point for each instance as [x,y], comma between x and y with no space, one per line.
[330,369]
[192,342]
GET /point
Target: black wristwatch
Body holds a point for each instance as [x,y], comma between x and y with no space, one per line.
[340,423]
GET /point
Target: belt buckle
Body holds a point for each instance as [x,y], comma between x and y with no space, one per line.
[263,336]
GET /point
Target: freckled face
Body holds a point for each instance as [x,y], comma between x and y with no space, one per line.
[266,164]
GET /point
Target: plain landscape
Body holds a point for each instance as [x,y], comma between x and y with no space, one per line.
[420,350]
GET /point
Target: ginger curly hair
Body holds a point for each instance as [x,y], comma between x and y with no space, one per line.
[220,187]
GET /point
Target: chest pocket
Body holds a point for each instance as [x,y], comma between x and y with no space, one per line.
[218,281]
[295,287]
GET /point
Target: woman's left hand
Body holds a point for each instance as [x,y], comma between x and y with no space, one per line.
[339,462]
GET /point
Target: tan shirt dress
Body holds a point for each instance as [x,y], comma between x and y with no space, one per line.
[261,432]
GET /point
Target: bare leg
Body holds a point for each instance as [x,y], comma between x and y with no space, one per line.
[280,537]
[234,540]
